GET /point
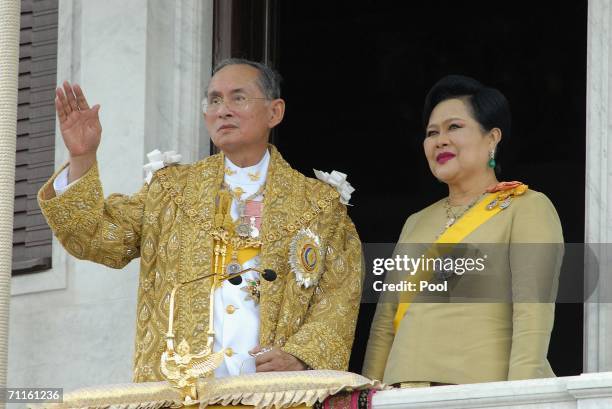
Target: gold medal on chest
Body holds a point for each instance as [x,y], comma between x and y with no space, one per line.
[306,257]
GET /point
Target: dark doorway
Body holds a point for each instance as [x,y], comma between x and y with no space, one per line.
[356,74]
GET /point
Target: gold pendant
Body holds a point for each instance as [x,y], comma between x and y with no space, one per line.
[234,267]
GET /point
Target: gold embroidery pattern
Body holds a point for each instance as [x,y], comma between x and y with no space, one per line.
[254,176]
[112,233]
[169,222]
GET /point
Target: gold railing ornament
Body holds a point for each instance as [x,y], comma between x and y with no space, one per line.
[179,366]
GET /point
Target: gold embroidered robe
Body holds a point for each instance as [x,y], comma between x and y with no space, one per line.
[167,225]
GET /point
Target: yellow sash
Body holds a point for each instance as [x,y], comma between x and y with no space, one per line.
[244,255]
[223,218]
[466,224]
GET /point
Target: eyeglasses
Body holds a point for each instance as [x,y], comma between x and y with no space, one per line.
[234,103]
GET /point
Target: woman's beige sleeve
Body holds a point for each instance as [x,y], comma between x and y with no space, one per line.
[536,254]
[382,333]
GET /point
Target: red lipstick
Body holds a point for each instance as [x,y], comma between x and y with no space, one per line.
[444,157]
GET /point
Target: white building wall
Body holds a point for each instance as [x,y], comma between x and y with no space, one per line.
[145,63]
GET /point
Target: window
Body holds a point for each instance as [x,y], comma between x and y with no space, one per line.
[35,133]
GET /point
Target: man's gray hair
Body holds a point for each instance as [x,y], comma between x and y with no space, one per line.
[269,80]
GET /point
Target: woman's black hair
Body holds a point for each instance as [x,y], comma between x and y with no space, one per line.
[488,106]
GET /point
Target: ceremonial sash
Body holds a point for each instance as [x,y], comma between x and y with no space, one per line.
[466,224]
[244,255]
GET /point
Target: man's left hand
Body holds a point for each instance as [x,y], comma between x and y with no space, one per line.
[276,360]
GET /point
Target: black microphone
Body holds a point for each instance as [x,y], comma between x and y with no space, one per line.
[236,280]
[269,275]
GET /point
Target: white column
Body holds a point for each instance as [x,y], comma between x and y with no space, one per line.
[598,209]
[179,59]
[9,69]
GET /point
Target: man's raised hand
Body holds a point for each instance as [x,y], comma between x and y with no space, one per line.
[80,127]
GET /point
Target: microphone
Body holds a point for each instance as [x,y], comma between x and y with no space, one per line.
[236,280]
[267,274]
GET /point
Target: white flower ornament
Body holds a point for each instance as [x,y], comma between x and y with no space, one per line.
[337,180]
[158,160]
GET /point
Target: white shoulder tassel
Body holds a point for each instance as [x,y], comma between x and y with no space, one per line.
[158,160]
[337,180]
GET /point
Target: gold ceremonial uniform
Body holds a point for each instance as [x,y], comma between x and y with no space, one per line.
[168,223]
[475,341]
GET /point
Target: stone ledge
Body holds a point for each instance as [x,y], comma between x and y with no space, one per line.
[587,391]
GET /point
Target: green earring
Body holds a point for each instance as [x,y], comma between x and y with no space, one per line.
[492,162]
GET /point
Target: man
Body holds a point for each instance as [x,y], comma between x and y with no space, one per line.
[243,208]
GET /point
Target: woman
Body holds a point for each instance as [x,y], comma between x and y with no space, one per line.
[428,343]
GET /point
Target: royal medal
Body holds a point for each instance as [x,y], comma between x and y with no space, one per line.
[505,203]
[306,257]
[243,230]
[233,268]
[252,290]
[254,229]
